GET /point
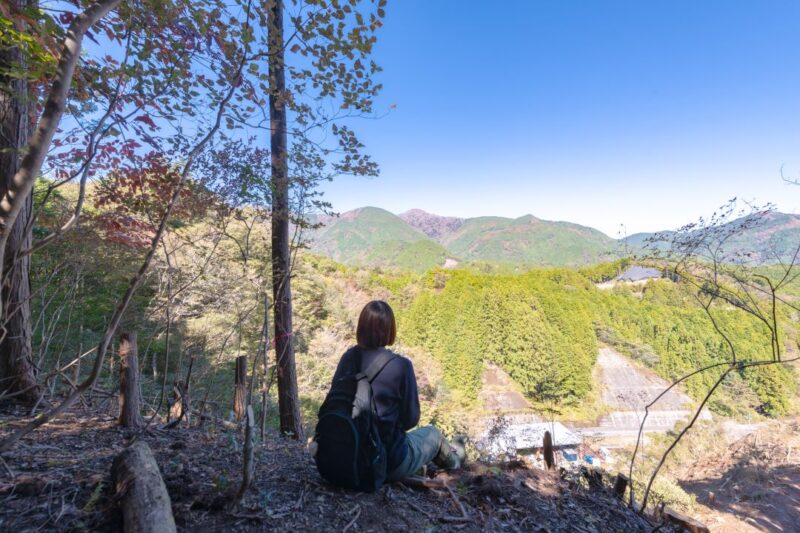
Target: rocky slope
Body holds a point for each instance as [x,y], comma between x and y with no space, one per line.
[434,226]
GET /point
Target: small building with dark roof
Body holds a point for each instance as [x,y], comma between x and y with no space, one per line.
[639,273]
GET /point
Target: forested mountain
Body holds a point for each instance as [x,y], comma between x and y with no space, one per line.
[434,226]
[171,316]
[375,237]
[543,328]
[528,241]
[415,239]
[419,240]
[772,237]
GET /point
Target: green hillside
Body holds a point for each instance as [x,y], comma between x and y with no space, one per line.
[543,328]
[769,238]
[375,237]
[528,240]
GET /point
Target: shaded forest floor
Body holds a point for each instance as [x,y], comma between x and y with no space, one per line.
[58,479]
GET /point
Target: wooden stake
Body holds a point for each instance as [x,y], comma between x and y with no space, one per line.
[549,456]
[620,485]
[248,463]
[240,387]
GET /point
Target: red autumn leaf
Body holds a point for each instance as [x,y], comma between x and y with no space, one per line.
[147,120]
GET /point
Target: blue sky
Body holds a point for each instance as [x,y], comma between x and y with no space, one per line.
[642,113]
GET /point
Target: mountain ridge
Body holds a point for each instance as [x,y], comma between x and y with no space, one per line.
[420,240]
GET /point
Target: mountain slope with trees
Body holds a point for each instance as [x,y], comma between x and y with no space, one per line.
[374,237]
[772,238]
[371,236]
[156,290]
[528,241]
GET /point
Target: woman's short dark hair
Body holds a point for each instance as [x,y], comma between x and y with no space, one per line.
[376,326]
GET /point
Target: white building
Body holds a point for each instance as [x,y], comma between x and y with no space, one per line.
[527,438]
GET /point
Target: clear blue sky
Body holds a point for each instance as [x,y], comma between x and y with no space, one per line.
[647,113]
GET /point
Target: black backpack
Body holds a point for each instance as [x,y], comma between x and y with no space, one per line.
[350,452]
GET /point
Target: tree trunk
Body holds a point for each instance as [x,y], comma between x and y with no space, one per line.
[130,405]
[288,398]
[17,373]
[240,387]
[145,503]
[248,459]
[265,354]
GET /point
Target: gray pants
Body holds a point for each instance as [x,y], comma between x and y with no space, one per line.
[424,446]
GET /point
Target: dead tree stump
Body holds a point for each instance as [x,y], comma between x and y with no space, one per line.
[549,456]
[130,412]
[248,463]
[593,476]
[146,507]
[240,387]
[620,485]
[179,406]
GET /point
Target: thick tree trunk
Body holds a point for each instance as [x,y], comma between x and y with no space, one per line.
[288,398]
[17,372]
[240,387]
[130,408]
[146,507]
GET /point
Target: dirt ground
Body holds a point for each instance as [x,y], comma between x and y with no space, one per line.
[58,479]
[754,485]
[499,393]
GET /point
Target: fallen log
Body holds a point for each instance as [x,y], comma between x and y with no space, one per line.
[227,424]
[689,524]
[146,507]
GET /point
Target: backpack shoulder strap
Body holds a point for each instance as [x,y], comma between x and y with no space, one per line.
[378,364]
[363,398]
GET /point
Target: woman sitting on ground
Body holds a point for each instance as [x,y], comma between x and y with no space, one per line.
[396,399]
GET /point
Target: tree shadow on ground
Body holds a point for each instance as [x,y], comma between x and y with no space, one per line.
[765,497]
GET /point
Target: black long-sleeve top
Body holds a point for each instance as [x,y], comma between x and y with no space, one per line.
[396,398]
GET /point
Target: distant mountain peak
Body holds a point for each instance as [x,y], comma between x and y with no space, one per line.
[419,240]
[434,226]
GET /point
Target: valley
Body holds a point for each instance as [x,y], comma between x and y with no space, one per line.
[210,219]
